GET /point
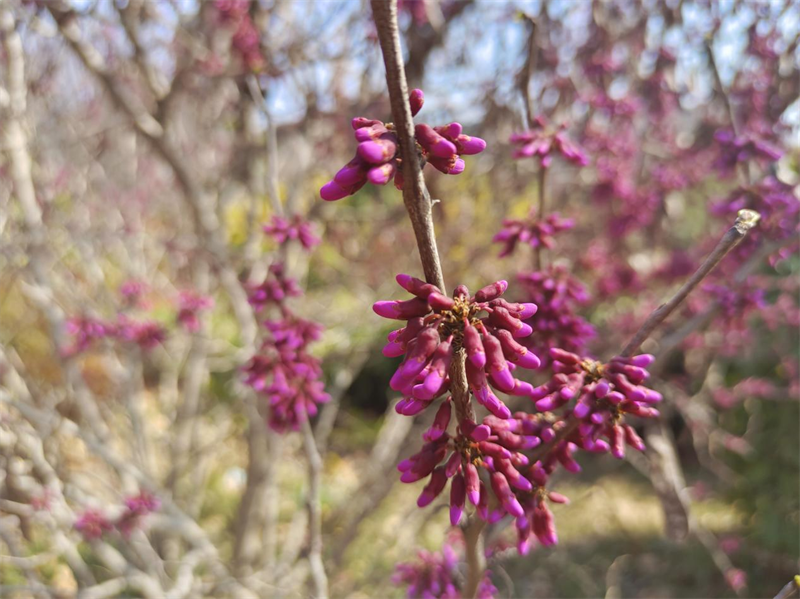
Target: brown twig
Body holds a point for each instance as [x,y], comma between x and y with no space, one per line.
[418,204]
[318,575]
[746,220]
[415,193]
[207,224]
[537,252]
[528,68]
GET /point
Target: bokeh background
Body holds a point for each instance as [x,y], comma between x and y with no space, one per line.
[146,143]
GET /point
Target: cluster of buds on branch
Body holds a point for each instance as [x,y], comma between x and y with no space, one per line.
[93,524]
[378,158]
[283,371]
[439,326]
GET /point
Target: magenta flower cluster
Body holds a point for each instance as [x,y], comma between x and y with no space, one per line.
[557,324]
[740,149]
[378,158]
[603,393]
[534,231]
[245,42]
[438,326]
[274,289]
[190,304]
[295,228]
[286,374]
[283,371]
[85,331]
[501,447]
[545,142]
[92,524]
[436,576]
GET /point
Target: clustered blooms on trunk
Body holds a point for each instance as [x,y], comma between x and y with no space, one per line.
[190,303]
[544,141]
[283,371]
[439,326]
[93,524]
[283,230]
[246,40]
[557,324]
[536,232]
[436,576]
[378,158]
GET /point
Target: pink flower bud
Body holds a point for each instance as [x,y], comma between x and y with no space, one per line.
[505,495]
[458,494]
[434,143]
[401,310]
[492,291]
[433,488]
[416,98]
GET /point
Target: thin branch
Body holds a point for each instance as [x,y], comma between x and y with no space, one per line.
[475,555]
[315,562]
[746,220]
[537,252]
[415,193]
[205,218]
[528,68]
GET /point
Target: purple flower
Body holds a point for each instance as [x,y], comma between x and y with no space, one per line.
[436,576]
[92,524]
[274,290]
[544,142]
[736,150]
[132,291]
[245,40]
[492,452]
[603,394]
[378,159]
[146,334]
[533,231]
[286,375]
[85,330]
[558,295]
[438,326]
[190,303]
[282,230]
[136,508]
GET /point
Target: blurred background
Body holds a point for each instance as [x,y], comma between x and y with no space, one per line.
[145,145]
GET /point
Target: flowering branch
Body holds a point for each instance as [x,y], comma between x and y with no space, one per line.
[746,220]
[415,193]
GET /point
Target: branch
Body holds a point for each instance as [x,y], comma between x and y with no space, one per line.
[746,220]
[528,68]
[315,513]
[415,194]
[206,222]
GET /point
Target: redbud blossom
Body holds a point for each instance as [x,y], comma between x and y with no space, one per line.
[378,158]
[438,326]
